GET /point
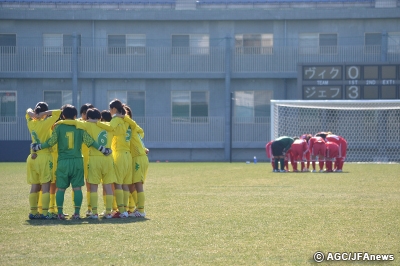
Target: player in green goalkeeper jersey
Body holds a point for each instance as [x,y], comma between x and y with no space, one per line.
[279,148]
[70,161]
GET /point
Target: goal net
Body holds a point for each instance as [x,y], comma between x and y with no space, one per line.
[371,127]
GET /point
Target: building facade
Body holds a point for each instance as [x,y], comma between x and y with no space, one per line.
[199,76]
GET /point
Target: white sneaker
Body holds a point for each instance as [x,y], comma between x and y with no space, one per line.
[339,171]
[124,215]
[283,171]
[139,214]
[107,216]
[313,171]
[93,216]
[276,171]
[89,213]
[102,213]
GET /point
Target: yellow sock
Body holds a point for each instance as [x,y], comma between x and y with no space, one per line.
[109,203]
[141,199]
[33,202]
[73,196]
[93,199]
[45,203]
[115,205]
[132,203]
[126,199]
[39,203]
[134,195]
[52,206]
[119,194]
[88,199]
[105,200]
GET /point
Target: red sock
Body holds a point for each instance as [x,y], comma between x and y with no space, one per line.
[329,166]
[321,165]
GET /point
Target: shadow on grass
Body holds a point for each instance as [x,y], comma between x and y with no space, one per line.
[82,221]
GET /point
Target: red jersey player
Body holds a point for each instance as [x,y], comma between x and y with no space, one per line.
[317,147]
[332,152]
[305,168]
[342,143]
[298,149]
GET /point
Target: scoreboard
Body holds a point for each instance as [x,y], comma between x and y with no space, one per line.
[349,81]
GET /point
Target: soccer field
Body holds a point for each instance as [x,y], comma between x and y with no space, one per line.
[216,214]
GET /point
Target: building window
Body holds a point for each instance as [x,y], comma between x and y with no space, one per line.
[8,42]
[373,42]
[56,99]
[328,43]
[60,43]
[254,43]
[394,42]
[251,106]
[194,44]
[134,99]
[8,106]
[189,106]
[132,44]
[318,43]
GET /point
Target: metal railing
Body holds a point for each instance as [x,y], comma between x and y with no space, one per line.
[168,60]
[167,130]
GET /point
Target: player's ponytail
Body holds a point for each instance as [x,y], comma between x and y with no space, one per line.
[41,107]
[117,104]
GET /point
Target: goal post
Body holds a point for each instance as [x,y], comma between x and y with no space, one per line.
[371,127]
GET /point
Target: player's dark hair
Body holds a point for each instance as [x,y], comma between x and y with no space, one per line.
[69,112]
[85,107]
[106,116]
[295,138]
[41,107]
[128,110]
[93,113]
[118,105]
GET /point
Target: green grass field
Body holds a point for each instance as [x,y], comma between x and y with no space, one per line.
[216,214]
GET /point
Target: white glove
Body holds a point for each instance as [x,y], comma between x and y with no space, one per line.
[36,146]
[105,151]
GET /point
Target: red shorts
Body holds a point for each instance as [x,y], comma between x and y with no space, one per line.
[319,149]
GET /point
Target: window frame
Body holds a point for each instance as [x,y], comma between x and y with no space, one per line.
[13,119]
[190,118]
[395,47]
[126,48]
[264,38]
[203,47]
[253,105]
[125,98]
[316,48]
[13,48]
[63,98]
[372,49]
[61,49]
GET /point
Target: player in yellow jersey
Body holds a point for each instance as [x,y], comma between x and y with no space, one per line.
[122,157]
[85,153]
[40,163]
[140,164]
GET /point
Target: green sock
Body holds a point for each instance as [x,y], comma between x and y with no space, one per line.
[282,162]
[276,163]
[60,200]
[78,198]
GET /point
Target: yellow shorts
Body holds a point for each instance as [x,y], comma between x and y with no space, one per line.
[85,167]
[101,169]
[53,172]
[140,165]
[39,170]
[123,167]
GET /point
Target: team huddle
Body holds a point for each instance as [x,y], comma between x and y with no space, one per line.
[100,148]
[324,147]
